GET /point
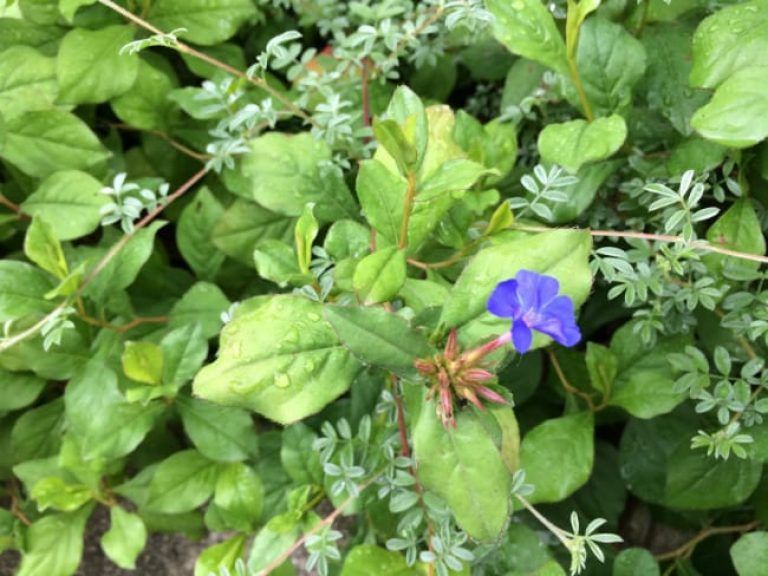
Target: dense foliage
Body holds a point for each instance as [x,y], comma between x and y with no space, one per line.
[291,271]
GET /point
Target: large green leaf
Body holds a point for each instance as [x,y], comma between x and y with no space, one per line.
[244,224]
[738,228]
[463,466]
[382,194]
[378,337]
[204,22]
[202,304]
[90,67]
[370,560]
[527,28]
[181,483]
[22,290]
[239,496]
[737,115]
[15,32]
[70,202]
[635,562]
[286,171]
[668,47]
[280,358]
[658,465]
[610,62]
[146,104]
[125,539]
[40,143]
[194,231]
[19,389]
[103,420]
[730,40]
[27,81]
[54,545]
[578,142]
[221,433]
[379,276]
[644,384]
[37,432]
[750,554]
[219,556]
[564,445]
[560,253]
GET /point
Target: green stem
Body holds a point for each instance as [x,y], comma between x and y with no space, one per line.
[407,207]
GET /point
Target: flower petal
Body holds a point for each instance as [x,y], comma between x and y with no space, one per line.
[558,321]
[521,337]
[535,290]
[504,301]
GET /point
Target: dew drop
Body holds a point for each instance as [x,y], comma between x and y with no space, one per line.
[314,317]
[282,380]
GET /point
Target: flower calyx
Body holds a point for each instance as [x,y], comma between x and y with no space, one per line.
[453,377]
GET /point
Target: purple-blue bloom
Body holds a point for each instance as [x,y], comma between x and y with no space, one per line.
[531,300]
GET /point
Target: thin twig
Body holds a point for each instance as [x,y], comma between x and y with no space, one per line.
[567,386]
[160,134]
[186,49]
[325,522]
[686,549]
[7,343]
[697,245]
[122,328]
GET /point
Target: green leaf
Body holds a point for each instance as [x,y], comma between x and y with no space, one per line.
[694,481]
[560,253]
[737,115]
[244,224]
[297,456]
[22,290]
[527,28]
[221,433]
[635,562]
[370,560]
[105,423]
[279,358]
[125,539]
[305,233]
[463,466]
[194,232]
[610,62]
[391,137]
[644,385]
[406,109]
[206,22]
[15,32]
[750,554]
[69,7]
[40,11]
[54,545]
[222,555]
[278,263]
[70,201]
[602,366]
[347,239]
[181,483]
[286,171]
[44,249]
[184,351]
[738,228]
[27,81]
[203,304]
[37,433]
[565,444]
[143,362]
[54,492]
[40,143]
[379,276]
[658,465]
[382,194]
[239,494]
[90,67]
[146,104]
[379,337]
[123,269]
[730,40]
[19,389]
[578,142]
[668,47]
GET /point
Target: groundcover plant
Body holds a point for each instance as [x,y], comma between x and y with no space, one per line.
[386,287]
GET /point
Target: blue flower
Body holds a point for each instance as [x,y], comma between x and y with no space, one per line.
[531,300]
